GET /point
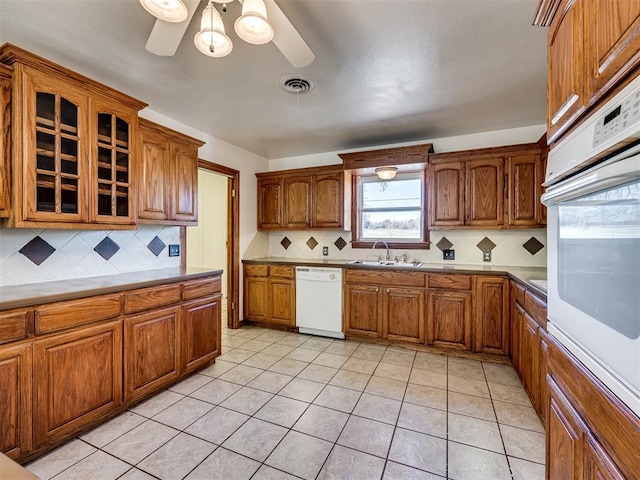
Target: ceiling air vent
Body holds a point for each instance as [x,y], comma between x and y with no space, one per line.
[297,85]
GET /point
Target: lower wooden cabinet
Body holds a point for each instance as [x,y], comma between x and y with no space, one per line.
[491,314]
[449,319]
[77,379]
[403,317]
[201,336]
[151,351]
[15,399]
[282,294]
[362,311]
[270,294]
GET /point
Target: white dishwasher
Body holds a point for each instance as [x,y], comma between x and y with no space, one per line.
[319,301]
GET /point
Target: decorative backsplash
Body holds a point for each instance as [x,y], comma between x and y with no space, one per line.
[507,247]
[38,255]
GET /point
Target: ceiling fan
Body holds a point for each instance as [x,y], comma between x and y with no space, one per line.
[174,16]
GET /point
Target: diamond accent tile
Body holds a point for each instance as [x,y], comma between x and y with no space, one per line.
[37,250]
[285,242]
[156,246]
[340,243]
[107,248]
[312,243]
[533,245]
[486,245]
[444,244]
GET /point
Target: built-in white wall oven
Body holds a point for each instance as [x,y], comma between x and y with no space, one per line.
[593,229]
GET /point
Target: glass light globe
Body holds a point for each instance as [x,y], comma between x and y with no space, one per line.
[212,40]
[173,11]
[253,26]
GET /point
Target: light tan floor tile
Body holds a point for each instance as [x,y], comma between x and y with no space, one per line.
[395,471]
[524,444]
[509,394]
[300,455]
[255,345]
[367,436]
[523,470]
[369,352]
[279,350]
[352,380]
[347,463]
[247,400]
[470,463]
[261,360]
[190,451]
[234,341]
[517,416]
[135,474]
[282,411]
[469,369]
[337,398]
[423,419]
[330,360]
[183,413]
[392,371]
[135,445]
[378,408]
[426,396]
[318,373]
[236,355]
[217,425]
[294,340]
[428,378]
[475,432]
[322,422]
[157,403]
[303,354]
[272,336]
[315,343]
[419,451]
[224,465]
[434,366]
[342,347]
[246,332]
[216,392]
[386,387]
[270,382]
[241,374]
[114,428]
[402,359]
[360,365]
[265,472]
[286,366]
[504,374]
[97,466]
[255,439]
[476,407]
[218,368]
[301,389]
[60,459]
[468,386]
[190,384]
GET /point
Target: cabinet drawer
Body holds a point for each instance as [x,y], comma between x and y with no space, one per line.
[151,298]
[376,277]
[14,325]
[58,316]
[536,308]
[282,271]
[201,288]
[519,293]
[450,282]
[256,270]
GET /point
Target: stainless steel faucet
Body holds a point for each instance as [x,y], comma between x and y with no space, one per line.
[388,257]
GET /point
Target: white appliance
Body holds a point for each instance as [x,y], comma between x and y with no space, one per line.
[593,231]
[319,301]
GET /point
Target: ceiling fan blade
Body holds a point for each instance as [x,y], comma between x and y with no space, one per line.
[166,37]
[287,38]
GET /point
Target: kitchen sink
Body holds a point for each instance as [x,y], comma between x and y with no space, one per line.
[384,263]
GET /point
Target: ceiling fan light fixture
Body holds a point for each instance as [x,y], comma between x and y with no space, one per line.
[172,11]
[253,26]
[212,40]
[386,173]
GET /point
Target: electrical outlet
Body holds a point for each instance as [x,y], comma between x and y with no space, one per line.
[325,251]
[174,250]
[486,256]
[448,254]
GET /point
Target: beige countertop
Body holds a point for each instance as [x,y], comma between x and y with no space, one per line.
[521,274]
[15,296]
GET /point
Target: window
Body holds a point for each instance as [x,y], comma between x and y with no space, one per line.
[391,210]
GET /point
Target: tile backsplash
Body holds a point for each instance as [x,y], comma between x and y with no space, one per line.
[507,247]
[40,255]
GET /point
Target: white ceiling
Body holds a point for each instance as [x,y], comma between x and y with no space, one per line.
[385,71]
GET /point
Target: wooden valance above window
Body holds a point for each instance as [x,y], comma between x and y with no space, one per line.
[414,157]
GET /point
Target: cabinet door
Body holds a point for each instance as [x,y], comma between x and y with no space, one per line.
[529,361]
[565,438]
[270,204]
[403,317]
[15,400]
[525,180]
[542,401]
[598,465]
[153,195]
[297,195]
[491,313]
[184,184]
[327,201]
[5,145]
[449,319]
[446,194]
[55,144]
[566,95]
[200,332]
[516,327]
[613,42]
[256,298]
[283,301]
[362,310]
[151,351]
[77,379]
[485,192]
[113,156]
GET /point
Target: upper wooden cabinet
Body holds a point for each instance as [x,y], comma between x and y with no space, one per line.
[5,140]
[168,176]
[73,148]
[487,188]
[303,198]
[593,47]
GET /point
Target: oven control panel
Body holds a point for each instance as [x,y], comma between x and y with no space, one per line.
[619,118]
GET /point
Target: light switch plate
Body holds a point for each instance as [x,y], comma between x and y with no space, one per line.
[325,251]
[174,250]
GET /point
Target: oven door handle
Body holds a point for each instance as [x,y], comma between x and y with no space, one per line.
[608,176]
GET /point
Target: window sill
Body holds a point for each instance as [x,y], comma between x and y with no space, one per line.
[395,245]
